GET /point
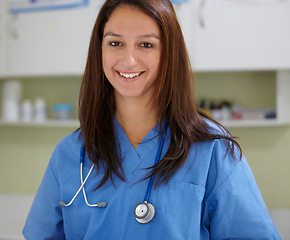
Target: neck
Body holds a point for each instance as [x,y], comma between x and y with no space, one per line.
[136,116]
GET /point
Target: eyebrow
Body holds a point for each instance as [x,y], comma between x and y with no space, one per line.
[150,35]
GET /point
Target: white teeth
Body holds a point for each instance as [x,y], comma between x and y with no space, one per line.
[129,75]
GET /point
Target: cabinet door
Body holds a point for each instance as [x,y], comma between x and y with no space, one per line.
[51,42]
[186,12]
[3,38]
[237,35]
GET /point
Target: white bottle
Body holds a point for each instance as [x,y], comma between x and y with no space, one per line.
[26,111]
[40,110]
[11,96]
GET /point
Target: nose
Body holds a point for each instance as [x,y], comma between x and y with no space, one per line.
[130,57]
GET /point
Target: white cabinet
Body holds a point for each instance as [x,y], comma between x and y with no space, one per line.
[3,57]
[237,35]
[220,35]
[229,35]
[50,42]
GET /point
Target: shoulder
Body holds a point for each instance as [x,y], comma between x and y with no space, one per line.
[215,153]
[222,164]
[221,155]
[217,149]
[67,150]
[213,167]
[69,142]
[215,128]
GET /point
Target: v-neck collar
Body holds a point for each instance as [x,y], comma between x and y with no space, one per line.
[133,157]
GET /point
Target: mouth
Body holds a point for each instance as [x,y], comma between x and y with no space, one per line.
[129,75]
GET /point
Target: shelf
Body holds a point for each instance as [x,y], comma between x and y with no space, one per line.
[254,123]
[75,123]
[47,123]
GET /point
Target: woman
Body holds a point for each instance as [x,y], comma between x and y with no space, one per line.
[140,127]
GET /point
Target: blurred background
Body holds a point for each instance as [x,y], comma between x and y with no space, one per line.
[240,55]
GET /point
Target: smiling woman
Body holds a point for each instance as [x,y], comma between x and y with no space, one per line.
[151,164]
[131,52]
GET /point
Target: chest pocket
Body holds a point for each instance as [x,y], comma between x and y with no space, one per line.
[179,209]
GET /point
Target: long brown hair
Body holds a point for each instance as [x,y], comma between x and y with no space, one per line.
[173,98]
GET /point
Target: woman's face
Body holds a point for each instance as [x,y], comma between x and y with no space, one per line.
[131,51]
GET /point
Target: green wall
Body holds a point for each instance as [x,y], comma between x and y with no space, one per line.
[268,153]
[25,151]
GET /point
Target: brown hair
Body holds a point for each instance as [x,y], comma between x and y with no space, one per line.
[173,98]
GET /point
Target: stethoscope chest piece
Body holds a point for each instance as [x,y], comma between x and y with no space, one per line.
[144,212]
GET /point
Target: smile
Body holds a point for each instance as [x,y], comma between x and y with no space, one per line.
[129,75]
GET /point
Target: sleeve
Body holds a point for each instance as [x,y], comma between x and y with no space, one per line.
[44,220]
[235,206]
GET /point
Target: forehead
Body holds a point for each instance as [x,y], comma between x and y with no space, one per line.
[129,19]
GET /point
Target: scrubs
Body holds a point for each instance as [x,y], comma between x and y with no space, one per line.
[212,196]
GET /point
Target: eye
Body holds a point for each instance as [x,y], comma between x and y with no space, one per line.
[115,44]
[146,45]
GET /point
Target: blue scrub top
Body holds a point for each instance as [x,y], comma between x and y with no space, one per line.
[212,196]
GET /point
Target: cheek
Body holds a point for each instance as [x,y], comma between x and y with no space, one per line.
[107,65]
[155,65]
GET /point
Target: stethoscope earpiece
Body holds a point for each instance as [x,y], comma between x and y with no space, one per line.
[144,212]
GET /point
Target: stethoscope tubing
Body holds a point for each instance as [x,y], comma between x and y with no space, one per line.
[157,159]
[83,182]
[144,211]
[82,157]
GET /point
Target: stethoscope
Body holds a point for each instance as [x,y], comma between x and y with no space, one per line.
[144,212]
